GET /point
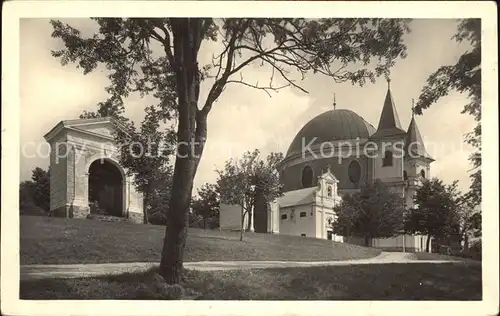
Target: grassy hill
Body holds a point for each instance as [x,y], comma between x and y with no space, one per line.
[46,240]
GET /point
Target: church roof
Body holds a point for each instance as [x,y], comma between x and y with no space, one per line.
[389,124]
[297,197]
[414,139]
[333,125]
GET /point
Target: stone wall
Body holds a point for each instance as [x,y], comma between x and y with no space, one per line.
[136,218]
[58,179]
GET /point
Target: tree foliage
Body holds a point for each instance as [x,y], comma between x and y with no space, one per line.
[34,194]
[435,210]
[373,212]
[41,194]
[352,50]
[465,77]
[242,180]
[206,203]
[146,153]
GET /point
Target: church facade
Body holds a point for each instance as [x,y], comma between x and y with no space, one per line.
[353,152]
[307,212]
[86,178]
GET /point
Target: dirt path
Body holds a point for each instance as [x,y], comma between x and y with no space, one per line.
[30,272]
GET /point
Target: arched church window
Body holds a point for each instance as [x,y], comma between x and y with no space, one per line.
[422,173]
[307,177]
[405,175]
[354,171]
[329,191]
[387,160]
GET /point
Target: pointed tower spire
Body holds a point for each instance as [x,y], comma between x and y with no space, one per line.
[414,146]
[389,124]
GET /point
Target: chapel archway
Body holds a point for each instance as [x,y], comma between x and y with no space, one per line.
[106,188]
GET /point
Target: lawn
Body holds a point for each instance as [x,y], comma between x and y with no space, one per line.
[47,240]
[437,256]
[425,281]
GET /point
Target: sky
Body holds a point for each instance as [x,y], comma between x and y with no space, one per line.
[244,118]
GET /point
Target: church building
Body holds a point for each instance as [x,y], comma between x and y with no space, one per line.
[335,153]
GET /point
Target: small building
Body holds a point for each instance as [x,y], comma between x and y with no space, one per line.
[307,212]
[86,177]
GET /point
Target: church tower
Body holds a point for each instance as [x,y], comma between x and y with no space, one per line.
[417,161]
[388,156]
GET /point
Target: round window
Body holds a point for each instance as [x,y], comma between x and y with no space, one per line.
[354,171]
[307,177]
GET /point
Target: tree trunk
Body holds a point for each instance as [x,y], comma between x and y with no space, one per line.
[171,266]
[242,223]
[191,137]
[367,241]
[466,243]
[427,243]
[145,219]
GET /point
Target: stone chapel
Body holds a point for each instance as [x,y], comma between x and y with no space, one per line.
[86,178]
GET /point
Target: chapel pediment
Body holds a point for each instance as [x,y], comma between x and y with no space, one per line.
[97,127]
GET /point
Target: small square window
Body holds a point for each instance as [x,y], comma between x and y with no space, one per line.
[283,216]
[303,235]
[303,214]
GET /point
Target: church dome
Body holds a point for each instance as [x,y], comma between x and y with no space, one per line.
[333,125]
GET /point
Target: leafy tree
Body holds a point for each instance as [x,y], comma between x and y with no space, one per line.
[111,107]
[236,186]
[206,204]
[466,215]
[352,50]
[146,153]
[435,209]
[267,183]
[464,77]
[242,181]
[34,194]
[26,204]
[373,212]
[157,202]
[41,188]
